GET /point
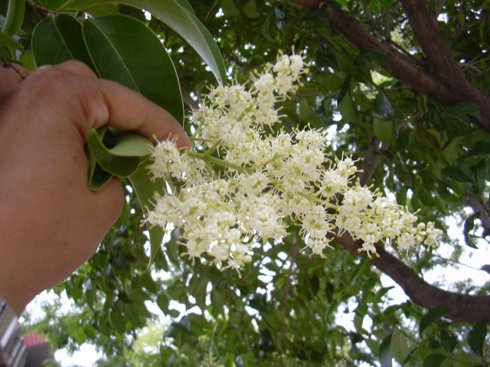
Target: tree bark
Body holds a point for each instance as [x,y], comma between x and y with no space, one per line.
[465,307]
[445,82]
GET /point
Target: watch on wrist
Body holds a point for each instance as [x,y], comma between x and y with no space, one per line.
[13,352]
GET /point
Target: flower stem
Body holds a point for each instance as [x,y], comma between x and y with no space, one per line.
[218,161]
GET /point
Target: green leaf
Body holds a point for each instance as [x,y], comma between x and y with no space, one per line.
[432,316]
[51,4]
[104,9]
[115,165]
[476,338]
[130,144]
[98,177]
[469,224]
[348,109]
[365,58]
[250,9]
[481,148]
[383,109]
[267,26]
[175,14]
[229,8]
[480,173]
[385,130]
[385,355]
[7,41]
[462,111]
[146,189]
[434,360]
[455,173]
[58,39]
[125,50]
[399,346]
[14,17]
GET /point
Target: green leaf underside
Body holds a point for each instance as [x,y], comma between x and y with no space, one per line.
[383,109]
[432,316]
[146,189]
[385,355]
[59,39]
[124,50]
[476,338]
[177,15]
[434,360]
[130,144]
[115,165]
[98,177]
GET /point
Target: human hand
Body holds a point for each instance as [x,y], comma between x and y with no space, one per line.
[50,222]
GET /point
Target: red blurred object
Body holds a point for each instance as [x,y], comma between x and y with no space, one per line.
[33,338]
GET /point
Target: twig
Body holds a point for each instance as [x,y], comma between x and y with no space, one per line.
[210,10]
[40,10]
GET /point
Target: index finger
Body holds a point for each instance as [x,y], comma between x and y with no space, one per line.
[128,110]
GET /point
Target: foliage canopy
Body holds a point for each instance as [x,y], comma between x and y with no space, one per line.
[403,86]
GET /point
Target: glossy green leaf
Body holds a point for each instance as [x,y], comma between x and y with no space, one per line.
[476,338]
[58,39]
[434,360]
[432,316]
[146,189]
[384,353]
[177,15]
[104,10]
[7,41]
[123,49]
[14,17]
[383,109]
[115,165]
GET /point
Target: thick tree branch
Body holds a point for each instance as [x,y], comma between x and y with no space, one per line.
[426,32]
[406,68]
[424,26]
[465,307]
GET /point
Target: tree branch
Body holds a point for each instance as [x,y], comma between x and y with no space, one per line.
[465,307]
[406,68]
[40,10]
[424,26]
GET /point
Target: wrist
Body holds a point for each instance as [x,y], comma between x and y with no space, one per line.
[13,352]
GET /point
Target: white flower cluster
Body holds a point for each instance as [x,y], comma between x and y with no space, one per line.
[242,184]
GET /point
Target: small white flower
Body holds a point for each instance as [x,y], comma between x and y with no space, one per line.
[241,183]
